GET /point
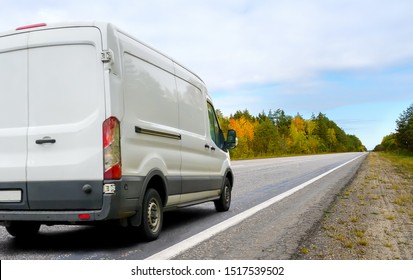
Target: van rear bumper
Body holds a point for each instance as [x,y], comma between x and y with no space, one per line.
[66,216]
[122,203]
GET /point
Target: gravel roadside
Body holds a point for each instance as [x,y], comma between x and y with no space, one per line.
[372,218]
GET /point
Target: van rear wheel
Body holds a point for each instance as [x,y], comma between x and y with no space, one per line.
[223,203]
[22,229]
[152,219]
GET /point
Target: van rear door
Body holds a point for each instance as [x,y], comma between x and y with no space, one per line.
[66,107]
[13,121]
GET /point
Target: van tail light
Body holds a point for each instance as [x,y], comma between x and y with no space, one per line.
[111,149]
[84,216]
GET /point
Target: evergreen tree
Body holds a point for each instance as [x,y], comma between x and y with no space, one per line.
[404,129]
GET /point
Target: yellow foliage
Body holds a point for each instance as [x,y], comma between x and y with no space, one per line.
[299,123]
[243,127]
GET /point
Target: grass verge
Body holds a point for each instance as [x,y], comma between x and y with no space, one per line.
[372,218]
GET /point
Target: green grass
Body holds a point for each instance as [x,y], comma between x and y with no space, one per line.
[389,217]
[403,161]
[362,242]
[304,250]
[388,245]
[348,244]
[402,200]
[359,232]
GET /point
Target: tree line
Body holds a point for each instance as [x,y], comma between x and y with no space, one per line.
[276,133]
[402,139]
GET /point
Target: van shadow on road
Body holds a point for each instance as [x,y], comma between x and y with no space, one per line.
[58,240]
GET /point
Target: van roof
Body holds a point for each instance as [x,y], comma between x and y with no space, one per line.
[103,26]
[40,26]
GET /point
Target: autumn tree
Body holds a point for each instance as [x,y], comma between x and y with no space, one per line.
[244,124]
[277,133]
[297,140]
[331,137]
[312,139]
[388,143]
[354,144]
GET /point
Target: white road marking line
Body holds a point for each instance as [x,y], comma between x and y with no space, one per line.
[190,242]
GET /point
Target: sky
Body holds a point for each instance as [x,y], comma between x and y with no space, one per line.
[350,60]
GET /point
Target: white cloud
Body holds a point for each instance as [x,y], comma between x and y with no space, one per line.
[232,43]
[238,46]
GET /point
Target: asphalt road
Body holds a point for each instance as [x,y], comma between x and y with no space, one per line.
[272,233]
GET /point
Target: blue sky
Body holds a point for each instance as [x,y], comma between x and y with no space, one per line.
[351,60]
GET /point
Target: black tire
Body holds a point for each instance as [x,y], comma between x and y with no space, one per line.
[224,202]
[152,215]
[22,229]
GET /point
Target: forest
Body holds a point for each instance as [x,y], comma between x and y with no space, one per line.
[277,134]
[402,139]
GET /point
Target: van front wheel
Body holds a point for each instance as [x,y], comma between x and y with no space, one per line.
[223,203]
[152,215]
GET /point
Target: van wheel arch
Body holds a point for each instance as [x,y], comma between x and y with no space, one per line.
[230,177]
[154,180]
[223,203]
[157,181]
[154,198]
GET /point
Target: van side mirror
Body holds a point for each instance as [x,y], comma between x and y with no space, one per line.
[232,140]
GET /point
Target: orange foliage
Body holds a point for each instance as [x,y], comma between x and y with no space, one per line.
[243,127]
[299,123]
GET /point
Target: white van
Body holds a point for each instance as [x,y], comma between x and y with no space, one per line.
[97,126]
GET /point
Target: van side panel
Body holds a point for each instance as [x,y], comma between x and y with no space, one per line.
[195,169]
[151,138]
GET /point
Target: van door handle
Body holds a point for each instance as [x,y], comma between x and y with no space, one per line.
[206,146]
[212,148]
[45,141]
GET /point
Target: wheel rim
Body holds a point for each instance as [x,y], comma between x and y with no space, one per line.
[154,215]
[227,194]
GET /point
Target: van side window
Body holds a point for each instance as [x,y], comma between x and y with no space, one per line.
[214,126]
